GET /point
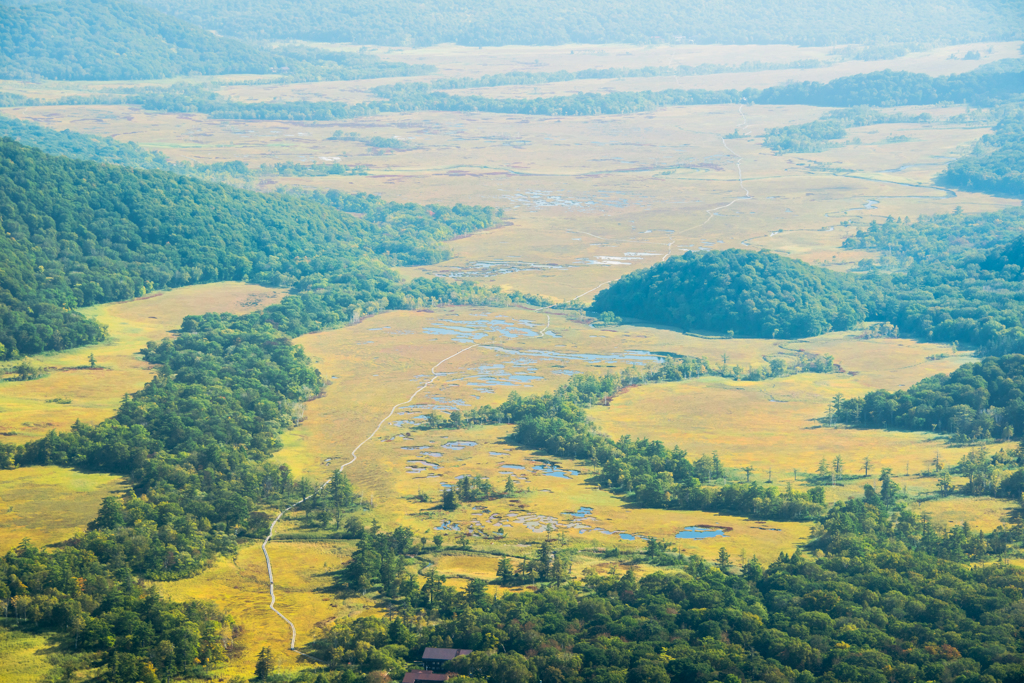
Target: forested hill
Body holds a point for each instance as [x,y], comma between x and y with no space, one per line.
[124,40]
[535,22]
[79,233]
[747,293]
[945,278]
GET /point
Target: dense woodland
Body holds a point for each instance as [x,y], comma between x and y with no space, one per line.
[122,40]
[994,166]
[977,401]
[532,22]
[885,597]
[756,294]
[133,231]
[952,277]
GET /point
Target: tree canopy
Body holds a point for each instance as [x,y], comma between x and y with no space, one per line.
[757,294]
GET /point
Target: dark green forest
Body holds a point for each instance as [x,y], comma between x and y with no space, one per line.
[995,164]
[885,597]
[80,233]
[106,40]
[504,22]
[754,294]
[977,401]
[952,277]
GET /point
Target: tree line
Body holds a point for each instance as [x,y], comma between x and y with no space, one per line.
[945,278]
[982,87]
[541,77]
[824,133]
[994,165]
[646,472]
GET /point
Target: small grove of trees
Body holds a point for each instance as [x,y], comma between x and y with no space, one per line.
[471,489]
[548,565]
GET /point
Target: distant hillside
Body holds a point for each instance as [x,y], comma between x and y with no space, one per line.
[89,40]
[751,294]
[123,40]
[534,22]
[80,233]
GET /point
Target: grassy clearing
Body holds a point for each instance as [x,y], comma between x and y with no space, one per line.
[302,573]
[26,408]
[22,656]
[776,425]
[985,514]
[390,355]
[49,504]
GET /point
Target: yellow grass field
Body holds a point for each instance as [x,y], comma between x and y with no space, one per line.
[50,504]
[22,657]
[26,414]
[240,586]
[983,514]
[777,424]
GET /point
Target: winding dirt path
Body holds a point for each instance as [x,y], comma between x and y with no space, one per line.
[739,171]
[266,554]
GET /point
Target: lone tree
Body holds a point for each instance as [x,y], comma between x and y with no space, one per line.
[823,468]
[92,361]
[748,470]
[867,465]
[724,562]
[264,664]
